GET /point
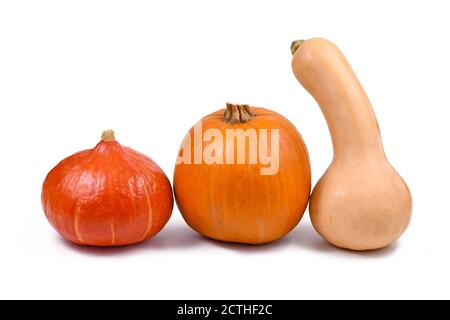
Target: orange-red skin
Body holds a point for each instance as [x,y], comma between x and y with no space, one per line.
[234,202]
[107,196]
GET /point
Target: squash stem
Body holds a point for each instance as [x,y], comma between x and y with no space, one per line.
[295,45]
[108,135]
[238,113]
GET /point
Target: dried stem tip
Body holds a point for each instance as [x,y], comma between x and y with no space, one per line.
[108,135]
[295,45]
[238,113]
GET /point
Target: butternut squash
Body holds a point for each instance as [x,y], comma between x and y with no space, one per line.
[361,202]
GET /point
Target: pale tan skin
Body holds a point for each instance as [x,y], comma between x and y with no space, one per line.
[361,202]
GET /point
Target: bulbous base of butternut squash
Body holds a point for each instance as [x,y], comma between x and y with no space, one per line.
[361,206]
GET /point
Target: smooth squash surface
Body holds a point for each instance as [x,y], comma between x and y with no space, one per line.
[361,202]
[235,202]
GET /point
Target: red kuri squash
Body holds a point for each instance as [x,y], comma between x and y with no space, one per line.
[107,196]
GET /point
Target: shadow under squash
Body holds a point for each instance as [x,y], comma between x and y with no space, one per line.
[173,236]
[178,236]
[250,248]
[306,237]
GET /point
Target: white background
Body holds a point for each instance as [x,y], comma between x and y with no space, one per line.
[150,70]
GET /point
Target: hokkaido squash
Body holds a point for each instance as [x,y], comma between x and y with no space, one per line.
[107,196]
[361,202]
[229,191]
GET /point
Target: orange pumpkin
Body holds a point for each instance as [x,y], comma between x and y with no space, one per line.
[242,201]
[107,196]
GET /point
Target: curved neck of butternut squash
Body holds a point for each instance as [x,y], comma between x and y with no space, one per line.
[331,81]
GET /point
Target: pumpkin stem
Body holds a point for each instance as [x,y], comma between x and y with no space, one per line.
[108,135]
[238,113]
[295,45]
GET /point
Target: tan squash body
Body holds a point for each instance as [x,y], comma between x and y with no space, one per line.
[361,202]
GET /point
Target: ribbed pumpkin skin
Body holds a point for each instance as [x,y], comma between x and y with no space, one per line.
[234,202]
[107,196]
